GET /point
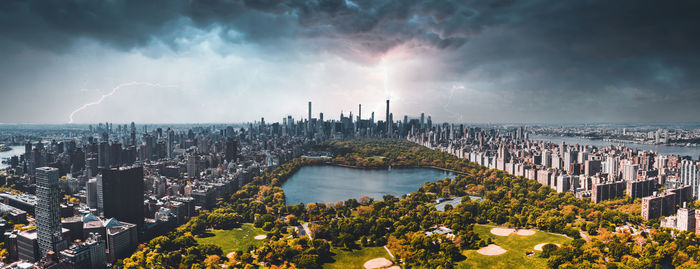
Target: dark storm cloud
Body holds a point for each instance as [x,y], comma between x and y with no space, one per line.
[373,26]
[594,47]
[580,52]
[581,30]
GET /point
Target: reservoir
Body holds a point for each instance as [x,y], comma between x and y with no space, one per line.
[329,184]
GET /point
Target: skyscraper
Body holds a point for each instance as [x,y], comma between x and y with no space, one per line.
[359,114]
[121,194]
[391,122]
[193,166]
[231,149]
[91,192]
[387,117]
[115,154]
[308,121]
[170,142]
[48,216]
[103,154]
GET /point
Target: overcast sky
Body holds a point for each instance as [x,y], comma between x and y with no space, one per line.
[459,61]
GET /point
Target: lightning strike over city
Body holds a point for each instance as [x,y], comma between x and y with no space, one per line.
[112,92]
[375,134]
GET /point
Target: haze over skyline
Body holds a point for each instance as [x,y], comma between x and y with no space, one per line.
[458,61]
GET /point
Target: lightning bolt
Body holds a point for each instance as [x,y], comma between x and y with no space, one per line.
[113,91]
[385,70]
[452,92]
[447,105]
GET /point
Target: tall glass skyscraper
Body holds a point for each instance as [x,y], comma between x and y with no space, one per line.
[120,194]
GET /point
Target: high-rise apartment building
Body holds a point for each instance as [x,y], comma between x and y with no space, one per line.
[193,168]
[546,158]
[591,167]
[556,161]
[607,190]
[686,219]
[629,171]
[640,188]
[612,167]
[563,183]
[569,159]
[48,215]
[690,176]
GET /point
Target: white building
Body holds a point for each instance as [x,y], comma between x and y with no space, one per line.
[686,219]
[629,171]
[689,175]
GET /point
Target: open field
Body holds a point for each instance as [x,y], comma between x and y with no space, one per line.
[376,158]
[516,247]
[236,239]
[356,258]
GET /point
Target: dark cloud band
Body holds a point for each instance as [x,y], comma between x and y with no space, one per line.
[548,48]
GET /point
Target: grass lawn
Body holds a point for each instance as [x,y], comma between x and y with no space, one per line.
[517,247]
[376,158]
[356,258]
[236,239]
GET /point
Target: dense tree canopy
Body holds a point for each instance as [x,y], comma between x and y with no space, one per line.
[399,222]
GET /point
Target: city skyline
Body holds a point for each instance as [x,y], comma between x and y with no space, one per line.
[98,192]
[508,61]
[345,113]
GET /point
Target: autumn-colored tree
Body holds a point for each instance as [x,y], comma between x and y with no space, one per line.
[212,262]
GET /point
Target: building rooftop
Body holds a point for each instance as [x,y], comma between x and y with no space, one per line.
[30,234]
[112,222]
[90,217]
[7,208]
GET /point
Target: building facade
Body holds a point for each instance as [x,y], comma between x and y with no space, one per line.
[48,215]
[122,191]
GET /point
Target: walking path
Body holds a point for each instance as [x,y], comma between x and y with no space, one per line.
[307,230]
[389,251]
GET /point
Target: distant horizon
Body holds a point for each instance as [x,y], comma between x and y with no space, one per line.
[395,120]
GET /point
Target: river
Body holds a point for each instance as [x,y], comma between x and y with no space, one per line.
[662,149]
[6,155]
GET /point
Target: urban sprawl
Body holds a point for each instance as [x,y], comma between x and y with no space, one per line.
[86,197]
